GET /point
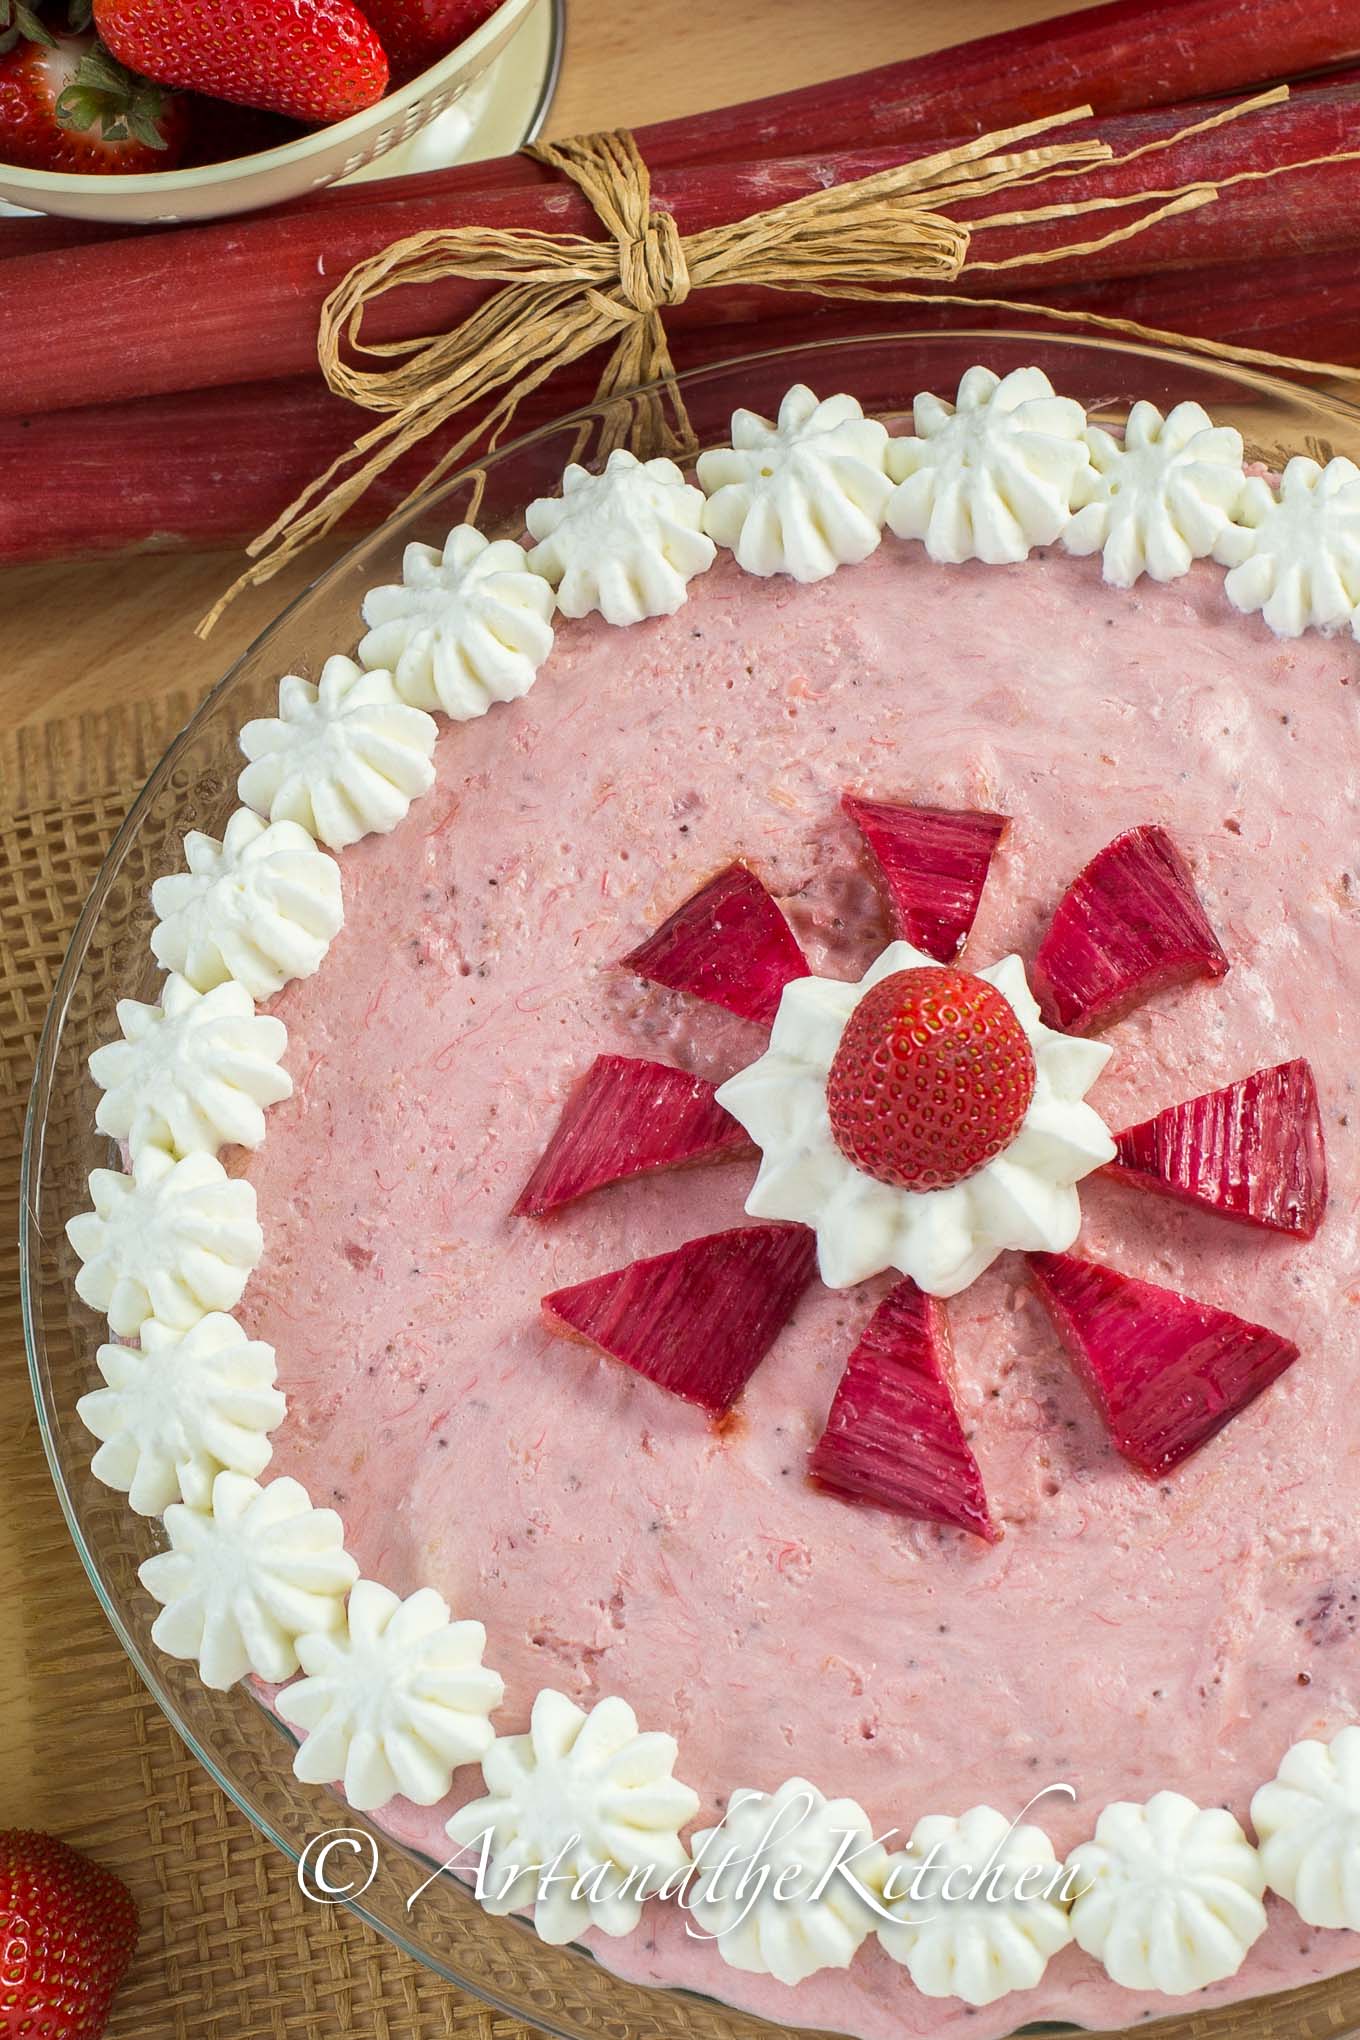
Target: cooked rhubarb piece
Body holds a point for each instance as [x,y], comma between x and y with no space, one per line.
[624,1118]
[893,1436]
[1166,1373]
[1130,924]
[1252,1151]
[699,1320]
[728,943]
[934,864]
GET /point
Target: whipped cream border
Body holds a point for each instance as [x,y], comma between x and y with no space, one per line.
[1022,463]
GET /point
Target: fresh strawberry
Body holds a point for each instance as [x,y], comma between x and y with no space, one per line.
[624,1118]
[1166,1373]
[67,1932]
[67,105]
[1130,924]
[932,1078]
[1252,1151]
[893,1436]
[417,33]
[934,864]
[728,943]
[697,1321]
[315,60]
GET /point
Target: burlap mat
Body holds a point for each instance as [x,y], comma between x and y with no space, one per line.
[230,1949]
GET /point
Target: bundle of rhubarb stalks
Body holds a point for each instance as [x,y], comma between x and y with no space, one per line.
[201,342]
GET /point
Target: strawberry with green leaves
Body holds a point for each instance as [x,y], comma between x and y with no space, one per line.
[314,60]
[67,1932]
[66,104]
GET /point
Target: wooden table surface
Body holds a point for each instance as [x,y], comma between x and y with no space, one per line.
[80,637]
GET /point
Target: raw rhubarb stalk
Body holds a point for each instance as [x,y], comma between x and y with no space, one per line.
[934,864]
[728,943]
[147,475]
[1252,1151]
[893,1436]
[206,306]
[697,1321]
[1113,58]
[1166,1373]
[627,1117]
[1292,209]
[1129,925]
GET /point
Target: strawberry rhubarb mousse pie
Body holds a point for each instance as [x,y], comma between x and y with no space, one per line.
[780,1395]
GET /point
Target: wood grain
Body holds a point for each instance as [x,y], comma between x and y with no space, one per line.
[79,636]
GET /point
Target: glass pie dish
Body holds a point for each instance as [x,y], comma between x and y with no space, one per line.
[247,1751]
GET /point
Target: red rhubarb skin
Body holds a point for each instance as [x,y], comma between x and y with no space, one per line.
[1130,924]
[933,864]
[1253,1151]
[728,943]
[1166,1372]
[1118,1637]
[154,334]
[893,1437]
[696,1321]
[625,1117]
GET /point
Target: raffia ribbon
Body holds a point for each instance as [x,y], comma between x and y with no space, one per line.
[563,295]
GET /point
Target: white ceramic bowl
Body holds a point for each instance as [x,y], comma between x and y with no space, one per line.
[323,157]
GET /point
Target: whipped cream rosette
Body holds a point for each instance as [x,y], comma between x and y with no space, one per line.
[258,908]
[181,1407]
[781,1884]
[802,495]
[1295,556]
[246,1575]
[342,759]
[626,542]
[977,1906]
[464,628]
[992,475]
[395,1702]
[589,1795]
[193,1074]
[1160,497]
[1308,1821]
[170,1239]
[1168,1894]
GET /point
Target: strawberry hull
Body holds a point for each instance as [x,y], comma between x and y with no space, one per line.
[626,1118]
[697,1321]
[1166,1373]
[1129,925]
[893,1437]
[933,863]
[1252,1151]
[728,943]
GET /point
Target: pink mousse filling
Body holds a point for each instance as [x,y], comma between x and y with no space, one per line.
[1123,1636]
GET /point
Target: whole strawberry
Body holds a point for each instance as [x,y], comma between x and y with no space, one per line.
[66,104]
[315,60]
[932,1078]
[67,1932]
[417,33]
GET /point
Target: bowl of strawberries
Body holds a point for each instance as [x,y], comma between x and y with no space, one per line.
[145,111]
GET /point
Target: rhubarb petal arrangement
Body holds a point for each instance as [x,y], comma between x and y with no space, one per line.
[924,1121]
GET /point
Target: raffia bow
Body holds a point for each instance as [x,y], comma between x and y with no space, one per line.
[562,295]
